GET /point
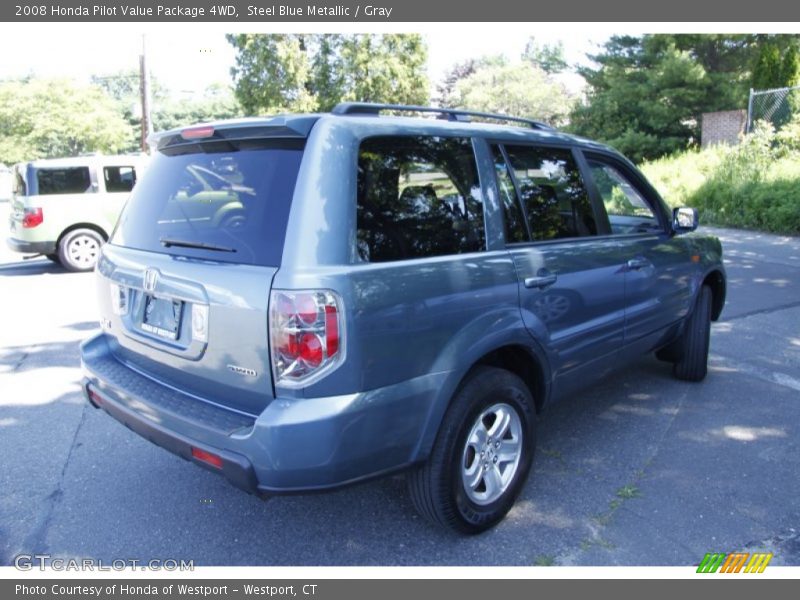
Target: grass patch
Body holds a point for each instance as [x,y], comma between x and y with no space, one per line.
[626,492]
[545,560]
[754,185]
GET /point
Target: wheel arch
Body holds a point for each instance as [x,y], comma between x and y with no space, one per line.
[94,227]
[521,356]
[715,280]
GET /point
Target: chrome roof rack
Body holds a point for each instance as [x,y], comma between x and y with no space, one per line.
[451,114]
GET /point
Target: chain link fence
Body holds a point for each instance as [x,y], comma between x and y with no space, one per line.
[776,106]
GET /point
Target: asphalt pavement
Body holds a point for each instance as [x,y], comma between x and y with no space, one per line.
[637,470]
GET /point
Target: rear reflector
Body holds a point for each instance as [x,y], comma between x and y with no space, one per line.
[194,133]
[206,457]
[94,397]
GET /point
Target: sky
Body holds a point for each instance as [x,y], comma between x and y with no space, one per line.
[187,58]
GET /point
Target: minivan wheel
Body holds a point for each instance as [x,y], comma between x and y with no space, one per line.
[692,364]
[482,454]
[79,249]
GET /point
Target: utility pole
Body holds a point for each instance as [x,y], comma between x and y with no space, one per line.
[144,89]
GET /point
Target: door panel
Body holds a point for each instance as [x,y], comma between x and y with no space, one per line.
[571,282]
[582,314]
[657,264]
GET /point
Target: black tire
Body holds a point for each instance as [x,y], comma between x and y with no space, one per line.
[79,249]
[53,258]
[692,364]
[438,489]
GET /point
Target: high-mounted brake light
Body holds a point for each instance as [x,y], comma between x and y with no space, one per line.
[194,133]
[32,217]
[305,335]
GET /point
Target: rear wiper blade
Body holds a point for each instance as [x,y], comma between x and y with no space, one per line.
[169,242]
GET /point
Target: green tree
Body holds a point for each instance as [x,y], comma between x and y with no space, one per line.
[548,57]
[301,73]
[647,94]
[216,103]
[519,89]
[776,65]
[44,118]
[446,88]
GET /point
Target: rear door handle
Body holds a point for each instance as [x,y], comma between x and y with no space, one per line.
[540,282]
[635,264]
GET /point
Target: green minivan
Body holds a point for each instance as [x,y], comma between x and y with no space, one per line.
[66,208]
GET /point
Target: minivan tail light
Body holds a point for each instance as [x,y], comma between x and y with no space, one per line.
[32,217]
[305,335]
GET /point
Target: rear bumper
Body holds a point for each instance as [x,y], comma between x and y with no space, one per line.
[295,445]
[26,247]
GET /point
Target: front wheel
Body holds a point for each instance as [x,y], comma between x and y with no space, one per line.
[482,455]
[79,249]
[691,363]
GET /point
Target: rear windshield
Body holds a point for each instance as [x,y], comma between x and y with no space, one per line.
[225,202]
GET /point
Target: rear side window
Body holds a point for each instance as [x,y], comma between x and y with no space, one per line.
[552,194]
[220,201]
[119,179]
[417,197]
[73,180]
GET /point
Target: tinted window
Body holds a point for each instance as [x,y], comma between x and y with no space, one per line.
[514,221]
[554,198]
[63,181]
[628,211]
[119,179]
[417,196]
[234,199]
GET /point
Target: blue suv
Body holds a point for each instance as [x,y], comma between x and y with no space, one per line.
[308,301]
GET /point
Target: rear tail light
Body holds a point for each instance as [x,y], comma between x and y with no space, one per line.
[305,335]
[32,217]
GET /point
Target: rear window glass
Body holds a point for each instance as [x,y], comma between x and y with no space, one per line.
[73,180]
[224,202]
[417,197]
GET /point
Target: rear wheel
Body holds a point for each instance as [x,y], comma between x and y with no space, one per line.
[482,454]
[79,249]
[692,348]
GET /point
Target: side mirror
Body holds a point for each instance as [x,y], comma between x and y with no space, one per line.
[684,219]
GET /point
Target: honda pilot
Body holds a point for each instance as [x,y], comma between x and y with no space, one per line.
[304,302]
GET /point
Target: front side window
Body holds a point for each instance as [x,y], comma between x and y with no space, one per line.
[119,179]
[628,211]
[417,196]
[552,193]
[73,180]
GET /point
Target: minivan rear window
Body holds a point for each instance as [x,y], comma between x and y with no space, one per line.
[224,202]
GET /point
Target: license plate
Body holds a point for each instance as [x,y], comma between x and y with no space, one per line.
[162,317]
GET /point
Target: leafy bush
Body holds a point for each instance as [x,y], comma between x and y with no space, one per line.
[755,185]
